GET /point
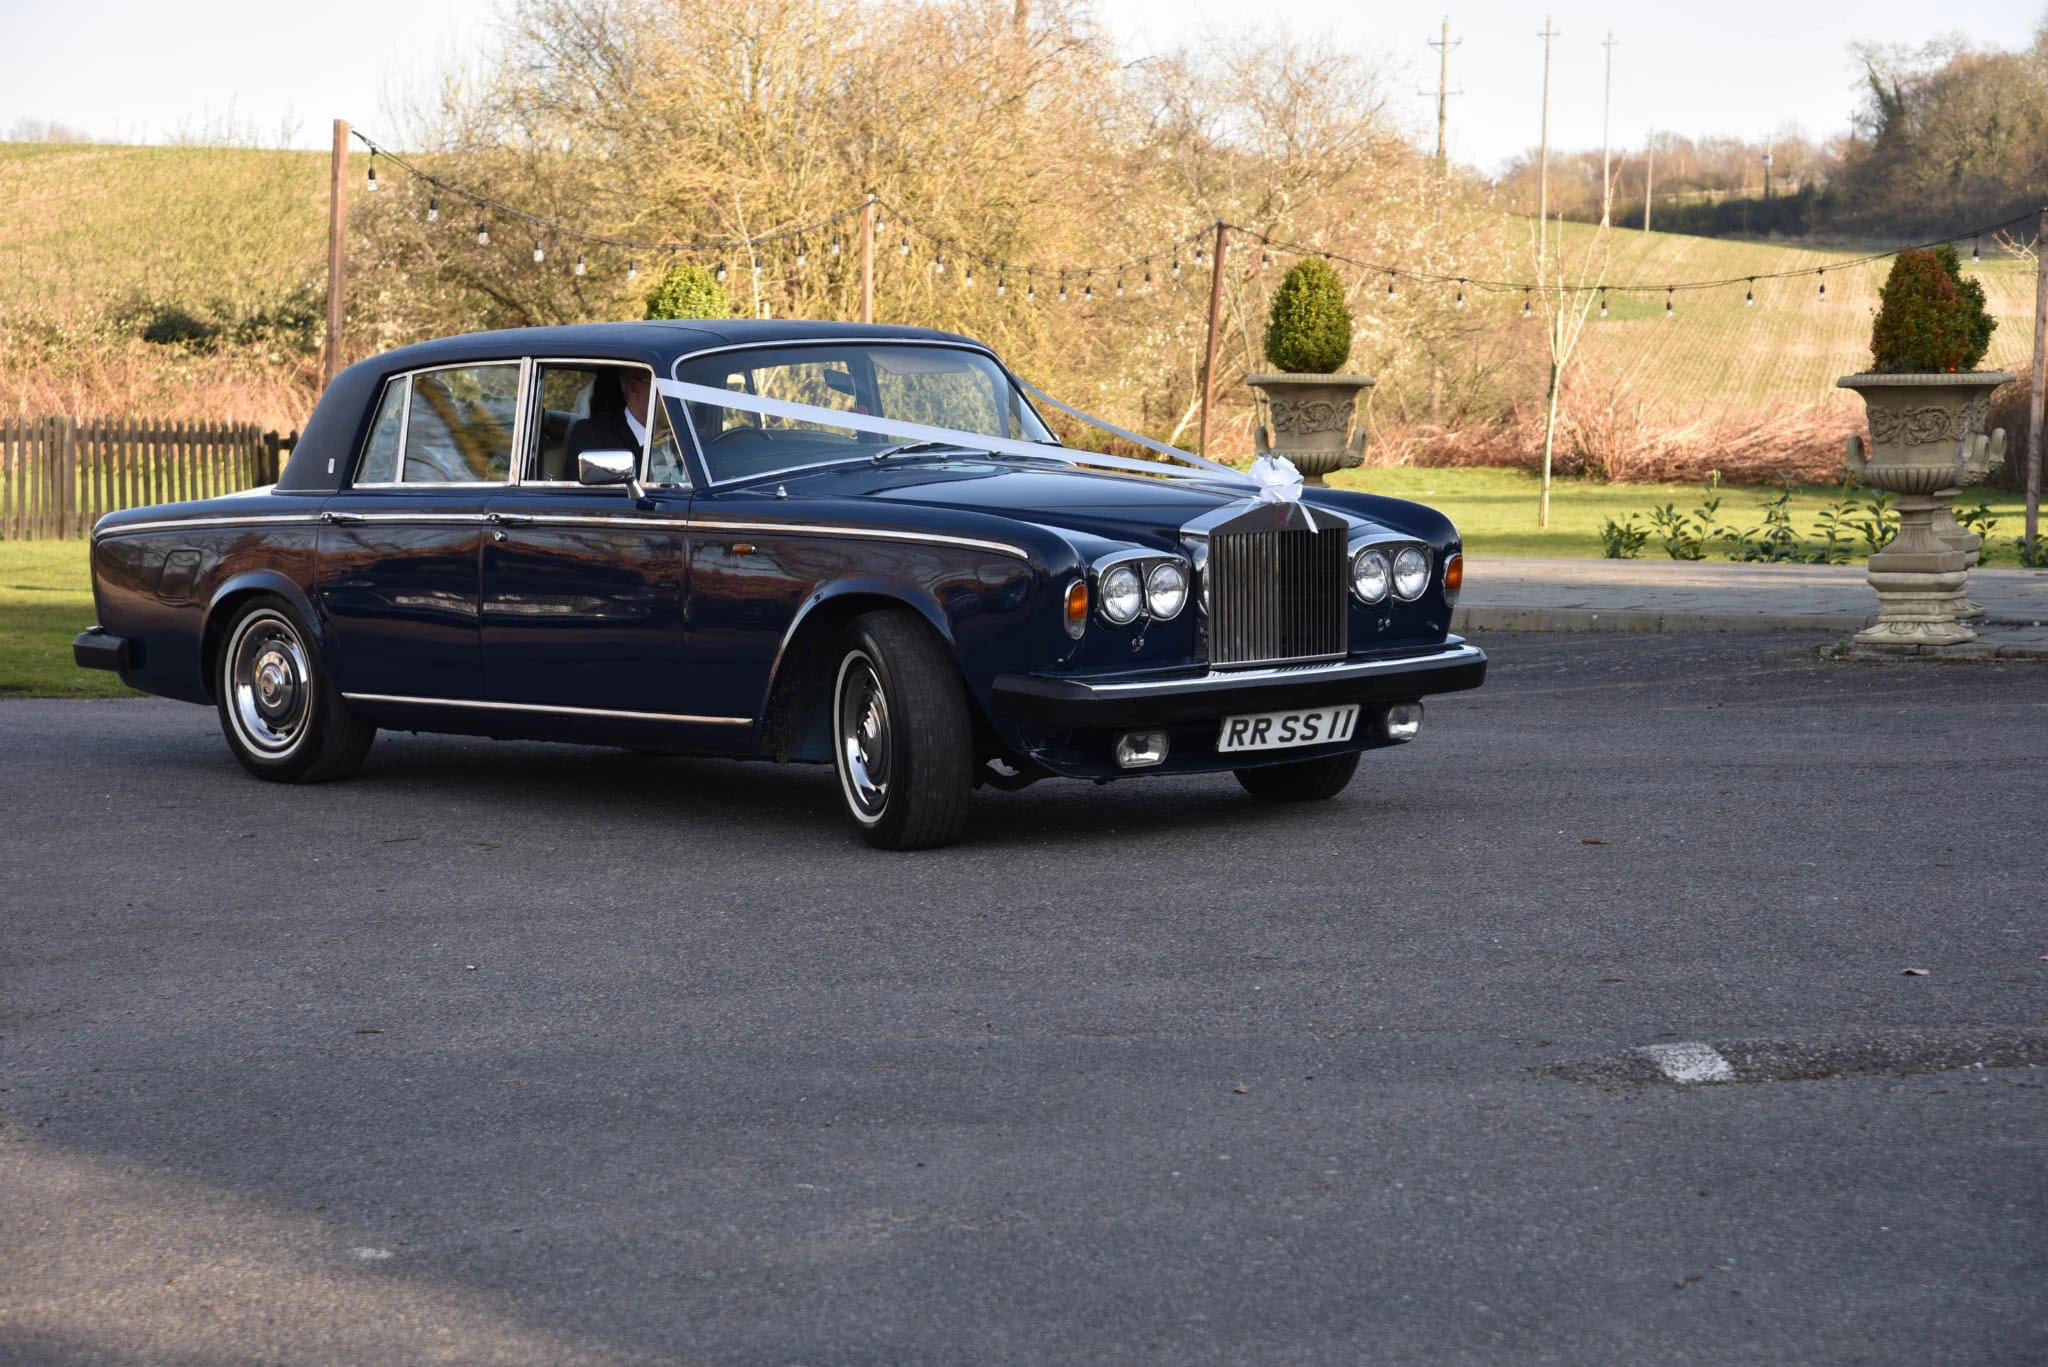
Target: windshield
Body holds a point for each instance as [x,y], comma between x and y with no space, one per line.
[935,386]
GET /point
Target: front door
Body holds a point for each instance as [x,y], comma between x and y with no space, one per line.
[583,587]
[400,547]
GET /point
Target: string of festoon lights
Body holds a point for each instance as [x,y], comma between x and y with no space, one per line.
[1067,283]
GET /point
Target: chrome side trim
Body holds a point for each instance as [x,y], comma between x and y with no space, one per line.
[206,523]
[867,533]
[599,520]
[352,517]
[544,707]
[1314,673]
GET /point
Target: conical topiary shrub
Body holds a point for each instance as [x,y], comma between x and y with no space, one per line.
[1929,317]
[1309,328]
[688,291]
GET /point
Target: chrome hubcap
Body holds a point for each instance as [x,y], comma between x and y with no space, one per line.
[864,742]
[267,675]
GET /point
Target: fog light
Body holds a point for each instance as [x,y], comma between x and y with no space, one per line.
[1143,749]
[1403,721]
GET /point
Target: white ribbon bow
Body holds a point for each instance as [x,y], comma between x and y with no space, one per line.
[1275,480]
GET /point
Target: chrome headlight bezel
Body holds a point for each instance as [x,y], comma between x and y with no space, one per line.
[1411,566]
[1364,561]
[1119,583]
[1174,595]
[1135,587]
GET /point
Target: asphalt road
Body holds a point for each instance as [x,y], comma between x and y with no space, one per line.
[535,1054]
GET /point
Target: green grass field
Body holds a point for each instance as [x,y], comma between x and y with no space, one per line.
[45,600]
[1496,509]
[46,592]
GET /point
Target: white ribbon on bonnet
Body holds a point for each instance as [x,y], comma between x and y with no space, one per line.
[1276,480]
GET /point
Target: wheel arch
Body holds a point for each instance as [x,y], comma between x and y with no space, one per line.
[796,721]
[228,597]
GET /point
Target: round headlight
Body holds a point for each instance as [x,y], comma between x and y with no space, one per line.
[1166,590]
[1123,595]
[1411,572]
[1370,576]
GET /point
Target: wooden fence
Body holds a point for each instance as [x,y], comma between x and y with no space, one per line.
[59,475]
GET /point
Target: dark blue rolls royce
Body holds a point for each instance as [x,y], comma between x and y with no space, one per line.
[798,541]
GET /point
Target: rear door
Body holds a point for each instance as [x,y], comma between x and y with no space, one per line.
[400,548]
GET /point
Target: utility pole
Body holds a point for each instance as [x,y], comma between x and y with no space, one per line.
[1767,168]
[1443,47]
[1606,124]
[337,243]
[1649,175]
[1543,167]
[2039,398]
[1209,352]
[867,260]
[1444,92]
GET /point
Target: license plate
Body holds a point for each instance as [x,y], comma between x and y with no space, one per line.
[1282,730]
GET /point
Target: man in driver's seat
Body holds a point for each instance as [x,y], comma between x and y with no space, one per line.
[618,417]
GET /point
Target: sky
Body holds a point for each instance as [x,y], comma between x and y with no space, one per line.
[146,70]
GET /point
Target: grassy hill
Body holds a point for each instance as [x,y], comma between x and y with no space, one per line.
[1788,347]
[96,240]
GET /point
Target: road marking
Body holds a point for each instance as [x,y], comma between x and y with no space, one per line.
[1690,1063]
[371,1255]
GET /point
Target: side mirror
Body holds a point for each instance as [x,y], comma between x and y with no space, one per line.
[606,467]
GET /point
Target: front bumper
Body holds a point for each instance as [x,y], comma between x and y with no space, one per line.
[1077,703]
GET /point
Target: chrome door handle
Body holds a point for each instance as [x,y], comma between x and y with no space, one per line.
[342,519]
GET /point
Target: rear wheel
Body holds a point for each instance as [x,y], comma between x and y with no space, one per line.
[279,709]
[1307,780]
[902,736]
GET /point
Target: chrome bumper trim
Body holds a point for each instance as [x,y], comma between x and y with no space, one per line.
[1311,673]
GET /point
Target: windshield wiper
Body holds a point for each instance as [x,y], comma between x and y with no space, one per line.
[906,447]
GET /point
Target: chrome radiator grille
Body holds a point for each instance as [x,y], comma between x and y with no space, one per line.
[1276,595]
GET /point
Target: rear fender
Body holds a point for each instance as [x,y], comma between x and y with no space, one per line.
[229,593]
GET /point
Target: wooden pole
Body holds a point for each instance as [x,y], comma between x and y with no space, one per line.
[2037,402]
[1543,156]
[337,235]
[1606,141]
[1649,176]
[1209,351]
[867,261]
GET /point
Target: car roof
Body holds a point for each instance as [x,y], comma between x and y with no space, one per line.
[658,342]
[335,429]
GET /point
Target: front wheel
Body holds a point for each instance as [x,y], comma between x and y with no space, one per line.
[1305,780]
[281,713]
[902,736]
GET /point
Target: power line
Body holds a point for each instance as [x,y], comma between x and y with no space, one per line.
[948,247]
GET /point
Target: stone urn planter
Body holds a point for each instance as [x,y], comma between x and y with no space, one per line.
[1311,421]
[1926,438]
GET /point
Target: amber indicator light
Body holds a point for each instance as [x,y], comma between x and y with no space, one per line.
[1077,601]
[1454,573]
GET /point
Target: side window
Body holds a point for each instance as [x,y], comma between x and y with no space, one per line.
[459,428]
[379,464]
[665,458]
[565,394]
[587,406]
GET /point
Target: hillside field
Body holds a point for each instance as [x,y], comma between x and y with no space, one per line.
[1785,350]
[95,237]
